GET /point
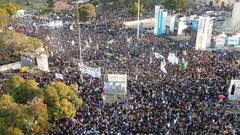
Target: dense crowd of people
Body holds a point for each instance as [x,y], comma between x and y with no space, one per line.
[176,102]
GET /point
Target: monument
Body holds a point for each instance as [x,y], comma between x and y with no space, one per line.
[204,34]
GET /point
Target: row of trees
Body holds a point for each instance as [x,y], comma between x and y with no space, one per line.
[13,44]
[132,5]
[26,108]
[6,11]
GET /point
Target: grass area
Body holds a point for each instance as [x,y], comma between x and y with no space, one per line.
[36,5]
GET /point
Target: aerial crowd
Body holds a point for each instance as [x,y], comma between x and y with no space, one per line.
[176,102]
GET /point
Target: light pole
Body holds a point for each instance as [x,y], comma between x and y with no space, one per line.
[138,27]
[79,32]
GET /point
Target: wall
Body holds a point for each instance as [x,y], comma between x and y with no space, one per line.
[12,66]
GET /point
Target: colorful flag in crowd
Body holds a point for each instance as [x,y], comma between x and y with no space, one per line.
[184,64]
[163,64]
[94,72]
[172,58]
[158,56]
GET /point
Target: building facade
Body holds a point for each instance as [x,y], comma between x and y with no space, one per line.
[215,3]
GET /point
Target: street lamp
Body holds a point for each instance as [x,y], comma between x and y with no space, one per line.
[79,32]
[138,26]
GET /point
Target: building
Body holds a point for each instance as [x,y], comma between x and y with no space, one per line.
[214,3]
[232,25]
[204,34]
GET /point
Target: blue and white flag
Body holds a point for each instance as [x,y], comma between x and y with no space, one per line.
[94,72]
[172,58]
[158,56]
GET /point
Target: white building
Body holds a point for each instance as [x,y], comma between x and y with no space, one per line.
[204,34]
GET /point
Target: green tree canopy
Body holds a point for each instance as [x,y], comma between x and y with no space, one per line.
[87,11]
[133,10]
[176,4]
[12,44]
[34,106]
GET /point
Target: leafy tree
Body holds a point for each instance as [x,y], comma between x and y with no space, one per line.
[51,96]
[10,85]
[6,100]
[50,3]
[27,91]
[14,131]
[62,100]
[87,11]
[175,4]
[40,113]
[13,47]
[134,9]
[34,106]
[4,18]
[12,8]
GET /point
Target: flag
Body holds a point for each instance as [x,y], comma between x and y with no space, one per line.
[58,76]
[110,42]
[172,58]
[184,53]
[73,43]
[87,44]
[184,64]
[157,55]
[162,67]
[94,72]
[129,40]
[90,40]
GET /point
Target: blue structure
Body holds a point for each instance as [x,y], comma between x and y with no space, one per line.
[195,25]
[160,26]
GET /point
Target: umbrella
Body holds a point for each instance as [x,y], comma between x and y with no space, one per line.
[221,97]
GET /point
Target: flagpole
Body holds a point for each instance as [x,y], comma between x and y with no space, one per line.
[138,27]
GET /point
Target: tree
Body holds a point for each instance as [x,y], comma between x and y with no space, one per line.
[14,131]
[134,9]
[12,8]
[10,85]
[34,106]
[6,100]
[87,11]
[4,18]
[62,100]
[175,4]
[26,91]
[40,112]
[11,48]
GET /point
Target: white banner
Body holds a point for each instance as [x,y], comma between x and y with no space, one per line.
[117,77]
[94,72]
[42,62]
[58,76]
[115,88]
